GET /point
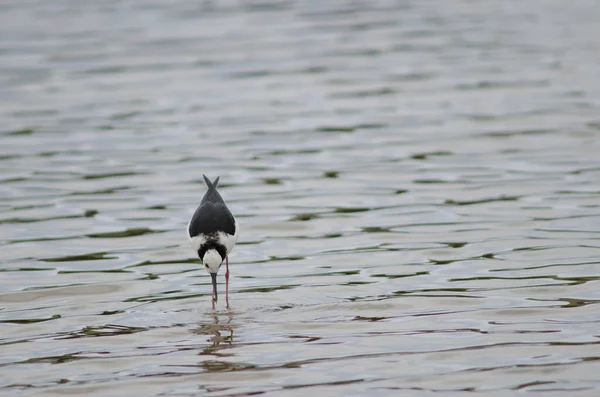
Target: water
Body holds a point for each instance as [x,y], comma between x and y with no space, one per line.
[416,183]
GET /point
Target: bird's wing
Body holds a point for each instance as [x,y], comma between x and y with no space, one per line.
[211,218]
[212,195]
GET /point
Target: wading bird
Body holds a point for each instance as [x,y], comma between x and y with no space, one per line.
[213,232]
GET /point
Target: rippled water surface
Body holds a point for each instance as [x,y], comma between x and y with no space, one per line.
[417,184]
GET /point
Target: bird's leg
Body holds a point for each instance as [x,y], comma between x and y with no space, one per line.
[227,280]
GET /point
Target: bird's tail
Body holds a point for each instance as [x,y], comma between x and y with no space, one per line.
[211,185]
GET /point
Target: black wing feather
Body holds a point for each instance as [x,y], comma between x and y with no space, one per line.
[212,196]
[211,218]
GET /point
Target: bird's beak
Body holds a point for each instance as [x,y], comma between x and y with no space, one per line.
[214,282]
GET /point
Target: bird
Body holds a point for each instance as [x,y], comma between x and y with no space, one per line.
[213,232]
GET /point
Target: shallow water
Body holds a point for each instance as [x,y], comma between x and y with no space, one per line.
[417,185]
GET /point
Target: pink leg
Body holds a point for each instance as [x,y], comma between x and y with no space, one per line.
[227,280]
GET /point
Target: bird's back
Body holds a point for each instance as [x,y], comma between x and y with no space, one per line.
[212,196]
[211,218]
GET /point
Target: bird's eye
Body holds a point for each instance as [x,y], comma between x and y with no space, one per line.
[206,266]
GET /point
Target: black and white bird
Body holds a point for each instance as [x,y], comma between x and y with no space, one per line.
[213,232]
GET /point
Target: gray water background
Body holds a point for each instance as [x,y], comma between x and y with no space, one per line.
[417,184]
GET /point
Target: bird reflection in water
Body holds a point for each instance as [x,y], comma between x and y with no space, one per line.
[220,333]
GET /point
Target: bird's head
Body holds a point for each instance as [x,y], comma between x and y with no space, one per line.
[212,260]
